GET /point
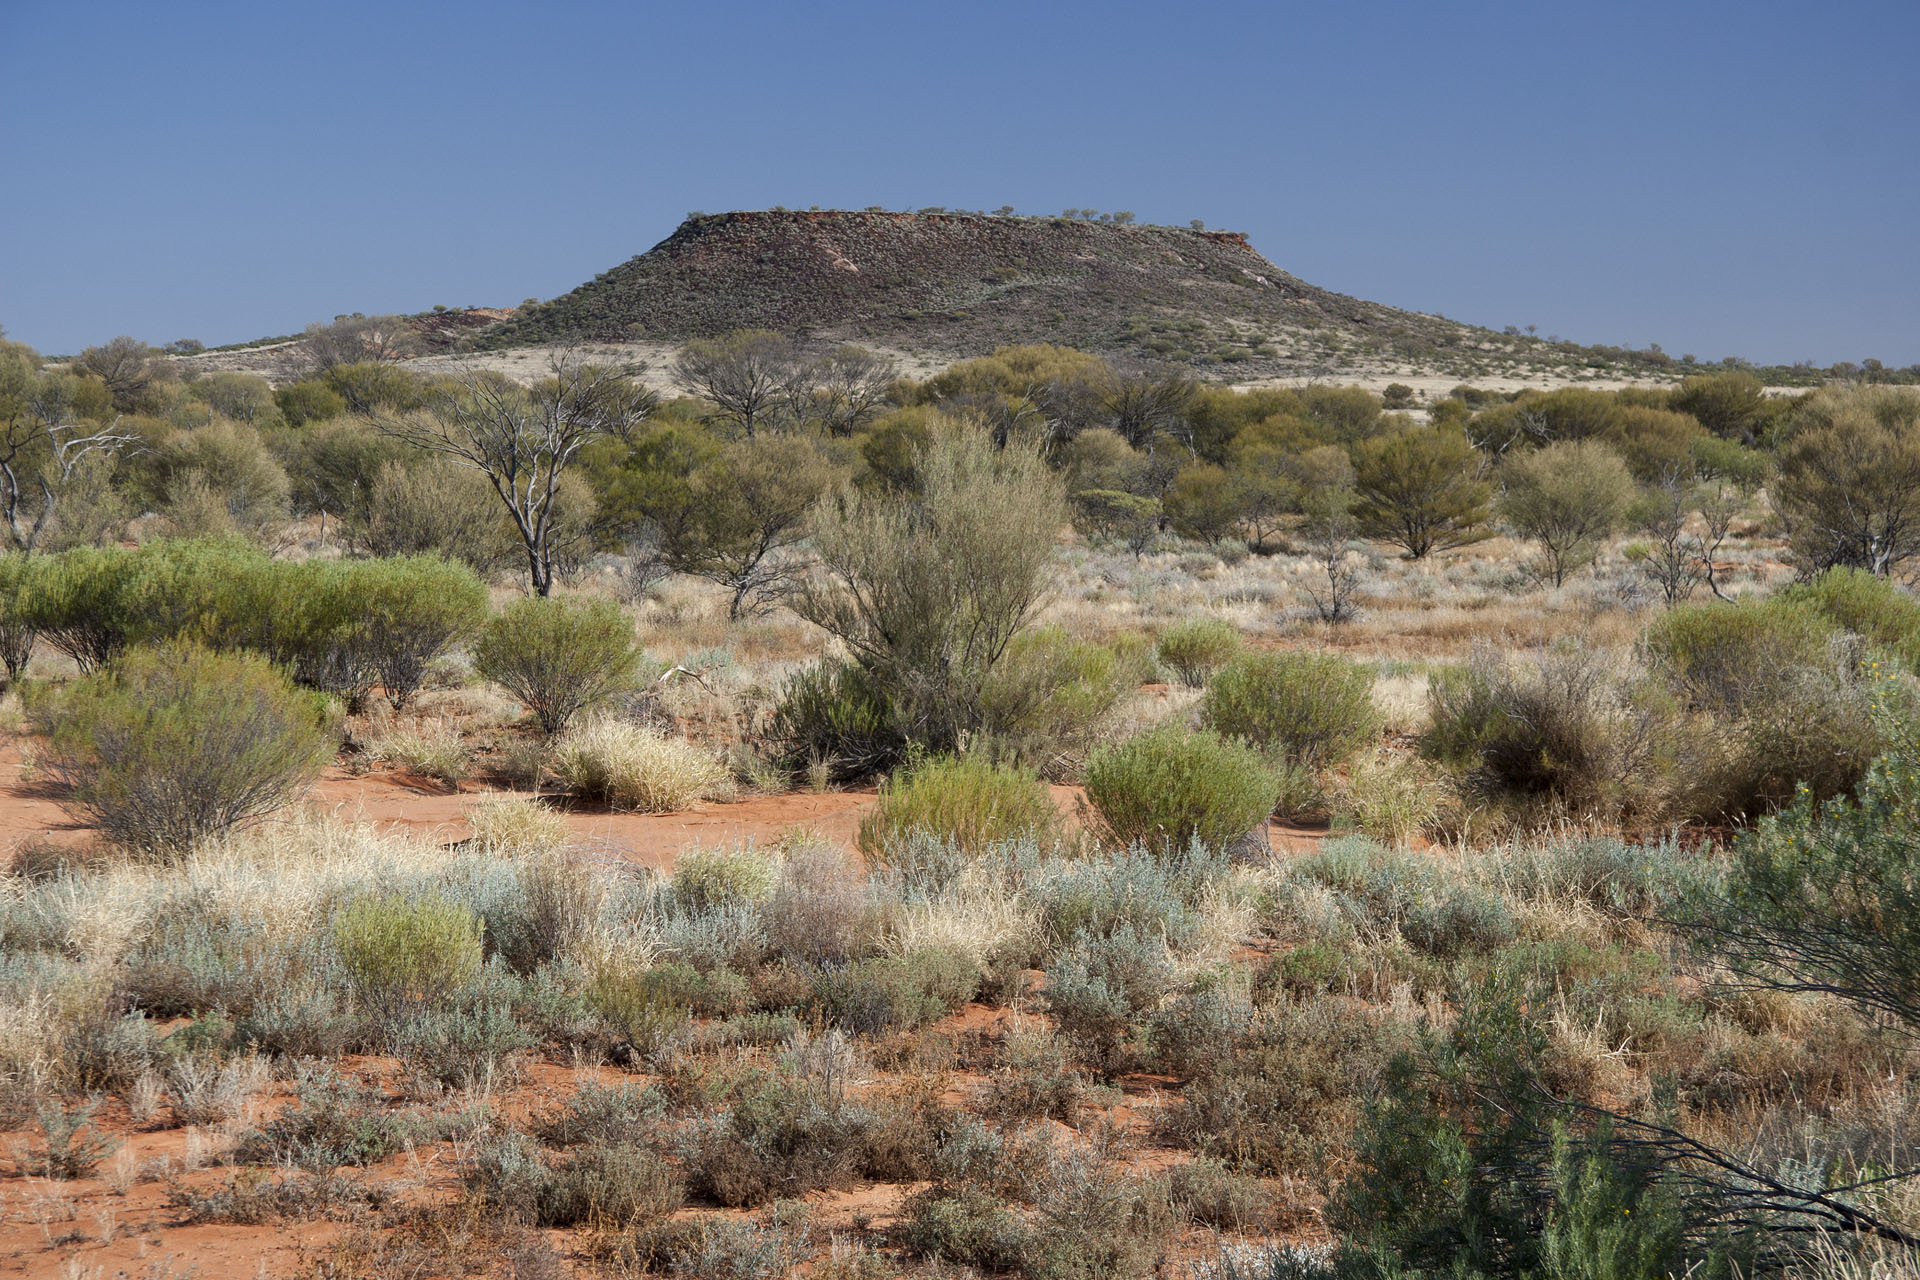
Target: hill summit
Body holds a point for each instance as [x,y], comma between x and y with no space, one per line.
[960,284]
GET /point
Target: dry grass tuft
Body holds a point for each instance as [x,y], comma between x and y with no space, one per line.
[636,769]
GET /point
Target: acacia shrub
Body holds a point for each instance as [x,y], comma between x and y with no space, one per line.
[1193,650]
[969,800]
[1314,709]
[171,745]
[558,656]
[1167,787]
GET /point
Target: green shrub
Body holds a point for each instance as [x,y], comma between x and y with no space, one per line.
[877,994]
[1168,786]
[411,610]
[617,1188]
[557,656]
[1870,606]
[1779,700]
[1567,732]
[1102,987]
[835,713]
[966,799]
[79,601]
[397,950]
[1045,702]
[17,630]
[1195,649]
[1313,708]
[964,1225]
[170,746]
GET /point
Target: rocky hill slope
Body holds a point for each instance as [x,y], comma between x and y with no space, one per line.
[956,284]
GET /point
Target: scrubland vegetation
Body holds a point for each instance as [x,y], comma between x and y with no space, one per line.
[1306,839]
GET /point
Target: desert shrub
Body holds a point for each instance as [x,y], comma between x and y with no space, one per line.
[1154,892]
[705,879]
[1045,702]
[1869,606]
[1200,1026]
[461,1048]
[412,610]
[602,1116]
[1780,700]
[967,799]
[557,656]
[836,714]
[1421,489]
[1313,708]
[617,1188]
[1381,889]
[1287,1097]
[1102,986]
[439,508]
[633,768]
[1570,731]
[17,631]
[1849,480]
[636,1012]
[1093,1220]
[335,1121]
[513,826]
[928,586]
[1392,798]
[554,912]
[1211,1194]
[1032,1078]
[783,1136]
[176,744]
[1166,787]
[822,909]
[1195,649]
[81,602]
[71,1144]
[882,993]
[965,1225]
[398,951]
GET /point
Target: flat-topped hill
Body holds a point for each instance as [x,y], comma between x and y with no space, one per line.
[959,284]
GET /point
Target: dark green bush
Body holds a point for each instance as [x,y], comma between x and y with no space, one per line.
[558,656]
[17,630]
[1046,700]
[1316,709]
[170,746]
[1168,786]
[836,714]
[410,611]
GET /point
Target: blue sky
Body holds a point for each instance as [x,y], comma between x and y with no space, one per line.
[1721,178]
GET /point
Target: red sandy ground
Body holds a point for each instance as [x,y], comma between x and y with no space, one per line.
[87,1229]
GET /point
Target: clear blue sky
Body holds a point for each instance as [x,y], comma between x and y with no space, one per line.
[1725,178]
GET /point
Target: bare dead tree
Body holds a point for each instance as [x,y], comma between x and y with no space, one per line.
[522,439]
[1142,407]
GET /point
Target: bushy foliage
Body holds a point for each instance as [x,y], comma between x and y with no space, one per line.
[1047,700]
[967,799]
[558,656]
[1779,699]
[1168,786]
[927,588]
[1569,497]
[400,951]
[1422,490]
[835,713]
[1571,730]
[1193,650]
[1870,606]
[1314,709]
[172,745]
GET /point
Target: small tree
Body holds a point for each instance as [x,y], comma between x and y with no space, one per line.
[45,448]
[927,589]
[176,744]
[1422,491]
[1570,498]
[523,439]
[413,609]
[745,514]
[557,656]
[750,375]
[1849,483]
[848,390]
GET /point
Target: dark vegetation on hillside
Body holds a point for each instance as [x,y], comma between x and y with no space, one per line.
[967,283]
